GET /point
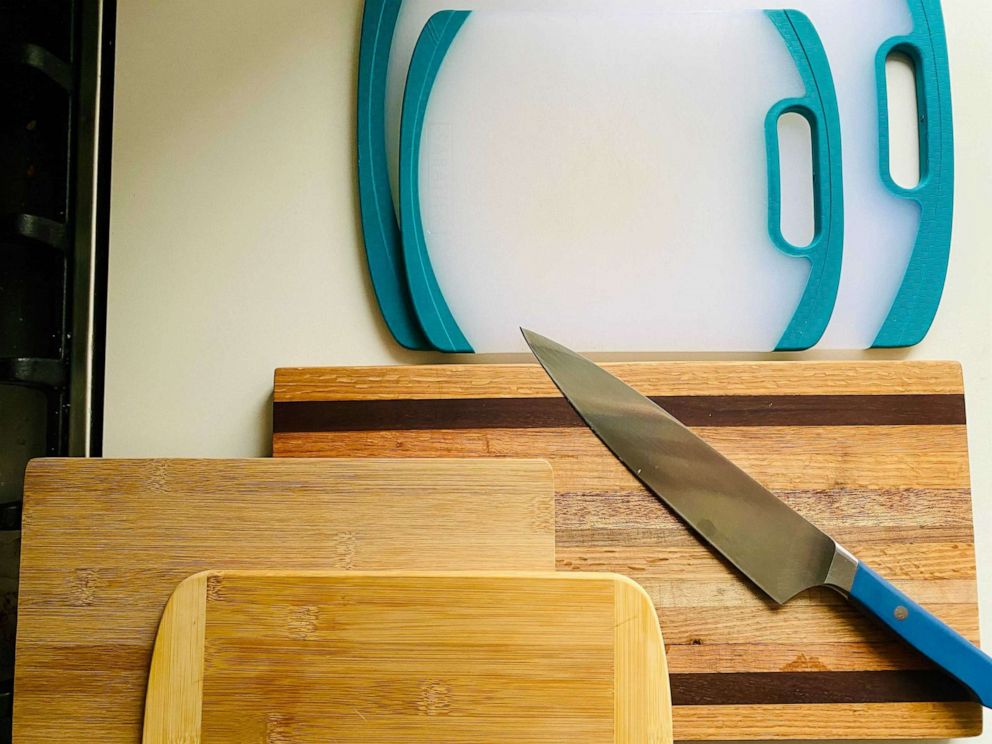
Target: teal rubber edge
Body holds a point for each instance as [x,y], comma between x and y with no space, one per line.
[381,233]
[915,304]
[428,301]
[825,251]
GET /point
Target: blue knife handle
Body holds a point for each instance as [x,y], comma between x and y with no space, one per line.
[928,635]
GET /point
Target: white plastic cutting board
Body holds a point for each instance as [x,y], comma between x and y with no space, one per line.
[880,226]
[602,176]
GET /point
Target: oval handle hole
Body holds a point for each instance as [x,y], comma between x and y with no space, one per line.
[904,119]
[795,153]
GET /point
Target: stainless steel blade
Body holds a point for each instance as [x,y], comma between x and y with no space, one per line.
[755,530]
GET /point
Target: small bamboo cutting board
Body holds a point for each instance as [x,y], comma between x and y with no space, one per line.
[874,453]
[408,657]
[105,542]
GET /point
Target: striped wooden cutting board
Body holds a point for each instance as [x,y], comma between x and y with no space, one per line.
[873,452]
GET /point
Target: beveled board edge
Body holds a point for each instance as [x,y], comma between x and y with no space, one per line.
[638,656]
[174,699]
[650,378]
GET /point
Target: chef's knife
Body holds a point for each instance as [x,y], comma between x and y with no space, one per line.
[761,535]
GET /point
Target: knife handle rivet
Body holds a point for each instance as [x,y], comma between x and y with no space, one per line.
[901,613]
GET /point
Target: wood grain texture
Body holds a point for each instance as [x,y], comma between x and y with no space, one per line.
[105,542]
[875,453]
[892,457]
[638,661]
[825,721]
[411,657]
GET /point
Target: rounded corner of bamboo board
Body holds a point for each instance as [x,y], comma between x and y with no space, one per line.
[643,692]
[175,677]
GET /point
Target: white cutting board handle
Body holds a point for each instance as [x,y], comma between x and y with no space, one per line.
[818,106]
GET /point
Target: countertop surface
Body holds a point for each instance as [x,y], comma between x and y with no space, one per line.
[235,243]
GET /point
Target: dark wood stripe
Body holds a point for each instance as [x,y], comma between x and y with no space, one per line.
[793,688]
[692,410]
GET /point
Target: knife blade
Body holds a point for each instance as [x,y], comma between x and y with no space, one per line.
[768,541]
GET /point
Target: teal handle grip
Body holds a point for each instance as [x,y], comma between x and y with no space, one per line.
[380,230]
[916,302]
[819,107]
[428,301]
[821,189]
[927,634]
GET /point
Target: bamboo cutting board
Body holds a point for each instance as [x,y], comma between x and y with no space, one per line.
[875,453]
[408,657]
[105,542]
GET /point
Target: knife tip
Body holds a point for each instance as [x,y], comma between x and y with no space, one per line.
[534,340]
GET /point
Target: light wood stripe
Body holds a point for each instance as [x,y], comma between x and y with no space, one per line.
[672,535]
[812,623]
[814,457]
[853,721]
[796,656]
[735,593]
[651,378]
[954,561]
[921,510]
